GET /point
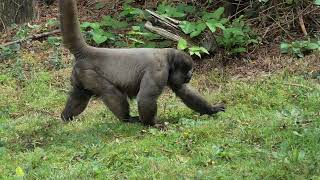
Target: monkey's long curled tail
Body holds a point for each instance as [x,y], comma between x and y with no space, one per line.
[70,27]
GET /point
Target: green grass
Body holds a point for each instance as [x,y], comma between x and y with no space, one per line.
[271,130]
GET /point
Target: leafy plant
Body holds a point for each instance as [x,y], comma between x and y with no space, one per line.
[194,50]
[132,13]
[167,10]
[53,22]
[108,21]
[7,52]
[97,33]
[142,38]
[299,48]
[54,41]
[211,20]
[22,32]
[236,37]
[194,29]
[17,69]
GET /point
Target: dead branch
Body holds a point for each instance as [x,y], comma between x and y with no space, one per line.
[172,22]
[172,31]
[302,26]
[32,37]
[162,32]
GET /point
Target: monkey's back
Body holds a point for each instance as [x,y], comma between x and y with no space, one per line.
[123,68]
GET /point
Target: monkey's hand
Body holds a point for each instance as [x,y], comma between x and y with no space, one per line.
[215,109]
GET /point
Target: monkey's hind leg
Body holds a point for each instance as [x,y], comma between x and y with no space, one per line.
[76,104]
[117,102]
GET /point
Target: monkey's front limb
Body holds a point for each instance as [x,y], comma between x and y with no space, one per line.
[194,101]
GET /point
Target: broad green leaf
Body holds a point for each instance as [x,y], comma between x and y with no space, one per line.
[182,44]
[297,52]
[201,26]
[90,25]
[85,24]
[161,8]
[221,26]
[170,11]
[194,48]
[224,21]
[99,38]
[186,8]
[213,24]
[109,35]
[195,33]
[204,50]
[312,46]
[136,28]
[215,15]
[119,25]
[177,14]
[317,2]
[187,27]
[107,21]
[198,54]
[191,52]
[284,47]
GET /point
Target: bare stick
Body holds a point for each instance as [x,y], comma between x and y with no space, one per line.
[303,27]
[35,36]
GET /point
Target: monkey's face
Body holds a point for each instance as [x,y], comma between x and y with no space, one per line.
[180,76]
[181,69]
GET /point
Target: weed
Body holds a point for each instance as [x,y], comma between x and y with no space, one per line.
[9,52]
[300,48]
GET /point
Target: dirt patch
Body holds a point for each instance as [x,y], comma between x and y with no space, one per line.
[266,60]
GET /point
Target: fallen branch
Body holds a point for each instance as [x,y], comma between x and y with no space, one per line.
[173,22]
[302,26]
[162,32]
[32,37]
[170,30]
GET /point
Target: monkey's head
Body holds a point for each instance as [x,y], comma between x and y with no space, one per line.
[180,68]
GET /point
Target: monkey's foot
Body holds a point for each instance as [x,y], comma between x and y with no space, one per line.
[161,126]
[134,119]
[65,118]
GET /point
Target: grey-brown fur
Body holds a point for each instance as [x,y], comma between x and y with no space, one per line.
[116,74]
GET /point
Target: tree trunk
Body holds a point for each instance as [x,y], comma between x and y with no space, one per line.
[16,11]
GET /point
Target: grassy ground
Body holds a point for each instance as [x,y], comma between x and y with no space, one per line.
[270,130]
